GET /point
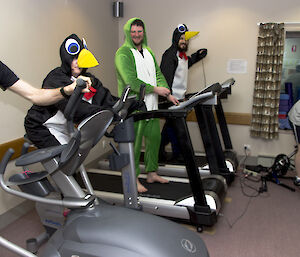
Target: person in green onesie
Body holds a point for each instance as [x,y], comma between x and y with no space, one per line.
[136,65]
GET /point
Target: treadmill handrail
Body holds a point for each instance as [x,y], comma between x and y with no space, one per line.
[215,88]
[193,100]
[226,88]
[228,83]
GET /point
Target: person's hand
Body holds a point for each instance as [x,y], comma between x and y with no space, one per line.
[202,53]
[88,83]
[162,91]
[70,88]
[173,99]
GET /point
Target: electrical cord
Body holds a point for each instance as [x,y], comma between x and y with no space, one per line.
[244,185]
[244,177]
[255,193]
[239,217]
[243,160]
[204,76]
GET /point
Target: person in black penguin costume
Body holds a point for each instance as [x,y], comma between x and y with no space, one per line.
[46,125]
[9,80]
[174,65]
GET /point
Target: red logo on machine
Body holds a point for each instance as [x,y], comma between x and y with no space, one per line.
[26,173]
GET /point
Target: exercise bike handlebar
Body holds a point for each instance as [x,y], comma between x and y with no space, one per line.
[73,102]
[68,202]
[142,92]
[5,160]
[120,104]
[128,104]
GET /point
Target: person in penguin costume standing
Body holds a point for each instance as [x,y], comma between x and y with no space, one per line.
[174,66]
[135,65]
[46,125]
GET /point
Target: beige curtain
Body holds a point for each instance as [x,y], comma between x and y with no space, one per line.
[267,81]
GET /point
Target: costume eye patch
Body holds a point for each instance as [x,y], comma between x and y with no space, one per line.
[72,46]
[181,28]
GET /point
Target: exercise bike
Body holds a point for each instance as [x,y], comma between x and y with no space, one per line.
[91,229]
[276,172]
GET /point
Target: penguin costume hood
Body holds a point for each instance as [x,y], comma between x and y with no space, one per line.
[169,61]
[74,48]
[71,48]
[46,125]
[179,31]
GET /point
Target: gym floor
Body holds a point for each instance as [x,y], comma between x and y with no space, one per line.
[264,225]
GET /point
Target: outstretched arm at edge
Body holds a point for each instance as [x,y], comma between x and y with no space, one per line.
[43,97]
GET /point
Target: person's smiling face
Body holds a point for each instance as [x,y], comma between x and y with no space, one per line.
[137,35]
[183,44]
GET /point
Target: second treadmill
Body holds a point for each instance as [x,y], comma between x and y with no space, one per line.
[192,199]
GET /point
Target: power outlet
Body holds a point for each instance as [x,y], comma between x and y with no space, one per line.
[247,147]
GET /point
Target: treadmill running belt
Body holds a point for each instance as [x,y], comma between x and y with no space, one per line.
[111,183]
[200,160]
[171,191]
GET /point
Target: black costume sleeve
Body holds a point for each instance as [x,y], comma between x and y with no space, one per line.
[7,77]
[103,97]
[197,56]
[168,65]
[101,100]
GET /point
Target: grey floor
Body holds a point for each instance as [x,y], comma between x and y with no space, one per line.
[262,226]
[265,225]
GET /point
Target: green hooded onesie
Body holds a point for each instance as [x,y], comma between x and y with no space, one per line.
[135,68]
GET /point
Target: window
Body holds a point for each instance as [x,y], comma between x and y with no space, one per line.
[290,81]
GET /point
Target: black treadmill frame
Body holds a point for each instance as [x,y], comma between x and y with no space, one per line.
[200,214]
[210,136]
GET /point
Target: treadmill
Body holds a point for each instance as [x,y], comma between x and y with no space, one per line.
[216,160]
[191,199]
[229,153]
[219,162]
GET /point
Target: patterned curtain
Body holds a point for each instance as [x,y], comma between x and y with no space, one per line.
[266,95]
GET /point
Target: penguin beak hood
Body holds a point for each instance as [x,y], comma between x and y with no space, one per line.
[189,34]
[72,47]
[86,59]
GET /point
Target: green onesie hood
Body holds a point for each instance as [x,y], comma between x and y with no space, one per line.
[128,41]
[126,66]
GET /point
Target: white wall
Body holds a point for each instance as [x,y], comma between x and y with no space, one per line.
[32,30]
[228,29]
[31,33]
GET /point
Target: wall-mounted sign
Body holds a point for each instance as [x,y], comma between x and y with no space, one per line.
[237,66]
